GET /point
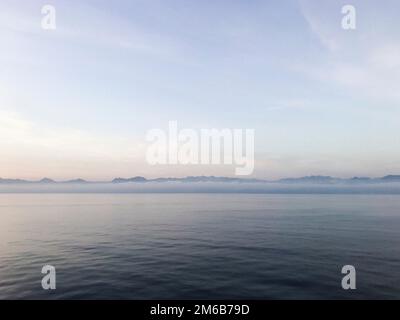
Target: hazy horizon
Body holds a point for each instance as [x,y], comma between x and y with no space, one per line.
[150,178]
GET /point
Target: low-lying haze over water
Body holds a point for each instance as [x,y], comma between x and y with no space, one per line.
[204,187]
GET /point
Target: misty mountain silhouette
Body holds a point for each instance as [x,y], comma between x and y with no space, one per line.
[300,180]
[134,179]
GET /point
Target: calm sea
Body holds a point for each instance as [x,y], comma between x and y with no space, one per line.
[182,246]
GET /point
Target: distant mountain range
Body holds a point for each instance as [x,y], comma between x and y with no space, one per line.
[138,179]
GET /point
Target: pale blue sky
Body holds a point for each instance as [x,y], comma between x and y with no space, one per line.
[77,101]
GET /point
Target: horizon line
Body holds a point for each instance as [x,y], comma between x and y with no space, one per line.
[204,177]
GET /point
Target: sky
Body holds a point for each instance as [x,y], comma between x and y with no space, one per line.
[77,101]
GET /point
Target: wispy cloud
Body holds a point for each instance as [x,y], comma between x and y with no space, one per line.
[86,24]
[361,61]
